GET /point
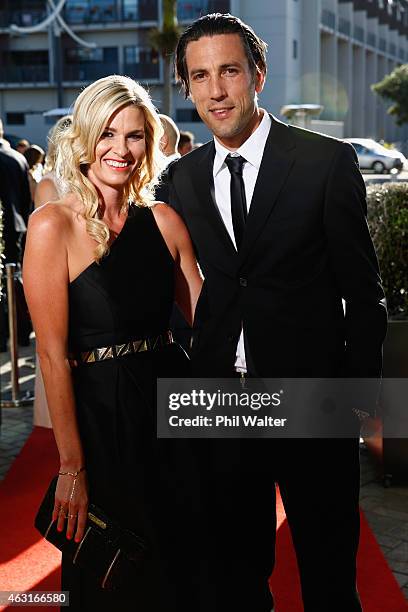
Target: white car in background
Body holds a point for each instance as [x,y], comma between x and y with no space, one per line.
[373,156]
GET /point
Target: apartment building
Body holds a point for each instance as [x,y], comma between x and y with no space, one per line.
[326,52]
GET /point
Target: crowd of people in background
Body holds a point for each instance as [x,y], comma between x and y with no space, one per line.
[27,181]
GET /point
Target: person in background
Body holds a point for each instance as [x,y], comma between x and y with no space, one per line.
[170,139]
[102,267]
[169,143]
[15,200]
[22,146]
[35,157]
[47,188]
[186,142]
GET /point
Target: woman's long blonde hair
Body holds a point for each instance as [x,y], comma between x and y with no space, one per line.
[77,143]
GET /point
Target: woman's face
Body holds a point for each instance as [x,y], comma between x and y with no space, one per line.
[120,149]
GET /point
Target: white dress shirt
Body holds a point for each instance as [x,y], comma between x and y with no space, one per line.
[252,151]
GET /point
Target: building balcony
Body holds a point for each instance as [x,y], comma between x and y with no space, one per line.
[371,39]
[344,26]
[86,12]
[328,19]
[24,74]
[358,33]
[188,10]
[143,72]
[21,18]
[89,72]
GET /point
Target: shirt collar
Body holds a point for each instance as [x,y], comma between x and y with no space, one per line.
[251,150]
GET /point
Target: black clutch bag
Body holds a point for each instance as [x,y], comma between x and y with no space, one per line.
[112,555]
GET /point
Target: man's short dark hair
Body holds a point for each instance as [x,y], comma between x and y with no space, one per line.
[212,25]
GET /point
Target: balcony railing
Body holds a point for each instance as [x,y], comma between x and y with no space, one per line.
[142,10]
[344,26]
[188,10]
[108,11]
[142,72]
[22,18]
[328,19]
[25,74]
[371,39]
[89,72]
[359,33]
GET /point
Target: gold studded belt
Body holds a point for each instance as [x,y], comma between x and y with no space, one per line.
[120,350]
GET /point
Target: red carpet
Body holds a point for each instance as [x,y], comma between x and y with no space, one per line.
[29,563]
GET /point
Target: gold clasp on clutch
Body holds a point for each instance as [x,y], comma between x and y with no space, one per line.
[96,520]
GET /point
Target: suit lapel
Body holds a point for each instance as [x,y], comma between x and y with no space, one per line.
[277,161]
[203,183]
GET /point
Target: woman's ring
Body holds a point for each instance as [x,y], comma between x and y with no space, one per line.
[71,516]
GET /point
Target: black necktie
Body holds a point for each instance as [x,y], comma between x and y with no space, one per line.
[238,199]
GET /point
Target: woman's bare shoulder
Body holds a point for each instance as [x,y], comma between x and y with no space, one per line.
[55,217]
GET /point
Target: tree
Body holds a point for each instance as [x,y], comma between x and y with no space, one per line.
[394,88]
[164,40]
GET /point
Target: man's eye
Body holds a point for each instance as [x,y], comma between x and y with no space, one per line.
[231,70]
[198,76]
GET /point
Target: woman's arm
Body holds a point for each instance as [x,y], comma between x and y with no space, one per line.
[45,273]
[188,276]
[45,192]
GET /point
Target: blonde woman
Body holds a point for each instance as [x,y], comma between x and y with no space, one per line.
[102,266]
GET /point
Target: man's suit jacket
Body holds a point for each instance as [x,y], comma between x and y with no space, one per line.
[16,199]
[306,247]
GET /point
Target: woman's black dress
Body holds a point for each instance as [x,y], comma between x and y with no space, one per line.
[135,478]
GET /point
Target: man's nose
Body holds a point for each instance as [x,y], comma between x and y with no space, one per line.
[217,89]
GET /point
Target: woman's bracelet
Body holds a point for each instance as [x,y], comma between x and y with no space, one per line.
[73,474]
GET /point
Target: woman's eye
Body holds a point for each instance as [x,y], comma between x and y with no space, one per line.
[107,134]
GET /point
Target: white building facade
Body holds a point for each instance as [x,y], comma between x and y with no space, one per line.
[326,52]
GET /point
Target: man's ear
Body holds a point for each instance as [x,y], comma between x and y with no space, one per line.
[260,79]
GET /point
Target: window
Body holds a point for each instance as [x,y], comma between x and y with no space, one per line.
[295,49]
[90,11]
[140,10]
[90,64]
[142,62]
[15,118]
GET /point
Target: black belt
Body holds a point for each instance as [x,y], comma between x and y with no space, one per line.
[115,351]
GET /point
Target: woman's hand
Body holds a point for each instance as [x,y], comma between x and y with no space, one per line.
[71,504]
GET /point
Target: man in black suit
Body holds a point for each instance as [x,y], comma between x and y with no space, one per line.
[277,218]
[15,200]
